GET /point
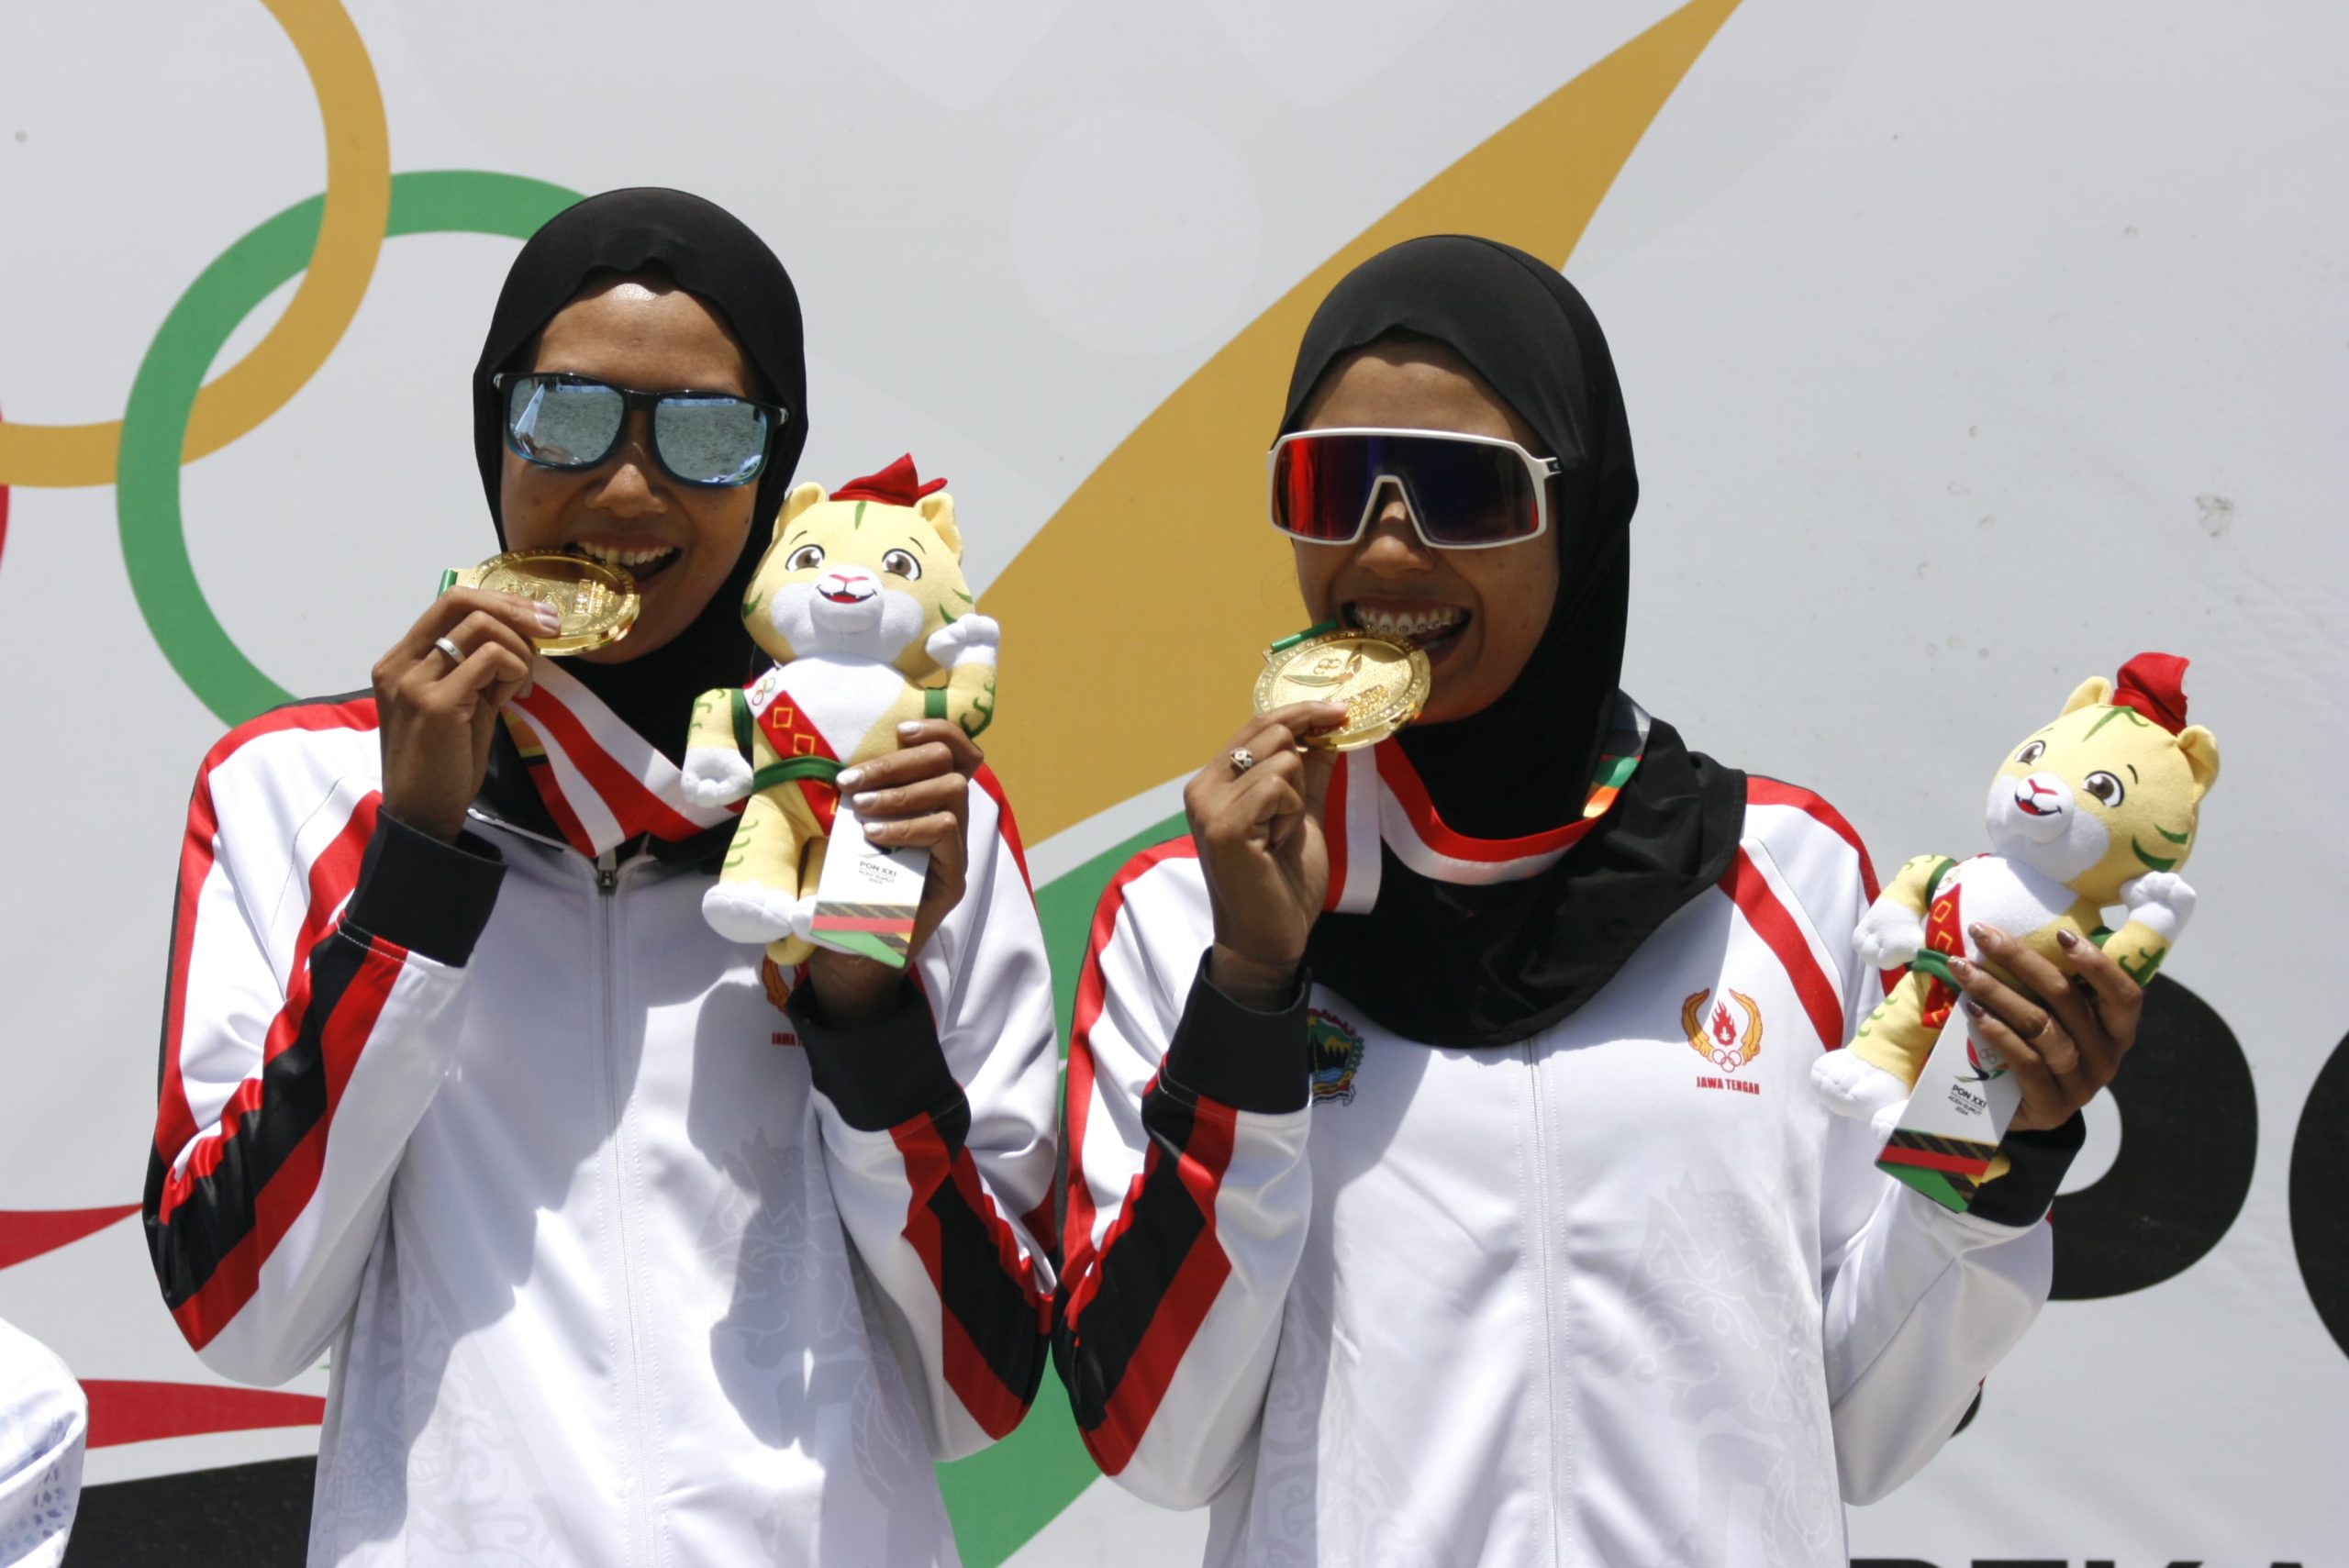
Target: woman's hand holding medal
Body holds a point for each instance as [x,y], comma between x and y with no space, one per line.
[438,695]
[1255,814]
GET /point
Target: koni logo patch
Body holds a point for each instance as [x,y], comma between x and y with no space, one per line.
[1335,1047]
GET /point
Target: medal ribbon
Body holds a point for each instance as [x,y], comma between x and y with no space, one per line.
[1377,797]
[602,782]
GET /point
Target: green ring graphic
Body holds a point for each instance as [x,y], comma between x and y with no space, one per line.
[154,424]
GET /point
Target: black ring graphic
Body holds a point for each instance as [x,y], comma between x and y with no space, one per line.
[2320,1220]
[2189,1135]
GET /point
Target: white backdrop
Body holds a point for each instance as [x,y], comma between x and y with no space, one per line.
[1969,350]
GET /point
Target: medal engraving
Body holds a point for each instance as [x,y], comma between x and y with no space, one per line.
[597,602]
[1383,682]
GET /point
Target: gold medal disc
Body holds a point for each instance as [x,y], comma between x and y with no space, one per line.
[597,602]
[1382,681]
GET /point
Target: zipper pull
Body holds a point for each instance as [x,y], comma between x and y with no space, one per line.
[607,871]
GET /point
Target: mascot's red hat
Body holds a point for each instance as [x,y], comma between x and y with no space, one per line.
[2155,684]
[896,485]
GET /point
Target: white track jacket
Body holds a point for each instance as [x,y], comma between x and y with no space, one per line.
[1625,1294]
[616,1262]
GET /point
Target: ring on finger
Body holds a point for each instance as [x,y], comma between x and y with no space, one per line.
[1243,759]
[456,655]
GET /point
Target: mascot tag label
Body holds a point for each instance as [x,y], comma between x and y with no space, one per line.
[866,896]
[1957,1113]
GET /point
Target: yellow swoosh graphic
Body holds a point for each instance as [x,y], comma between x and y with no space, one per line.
[358,201]
[1174,516]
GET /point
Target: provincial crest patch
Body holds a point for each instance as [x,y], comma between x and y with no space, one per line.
[1336,1052]
[1717,1036]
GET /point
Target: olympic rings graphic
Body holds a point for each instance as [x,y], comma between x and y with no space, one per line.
[341,263]
[157,428]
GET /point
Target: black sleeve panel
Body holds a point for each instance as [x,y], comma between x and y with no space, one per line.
[882,1074]
[1239,1057]
[2039,1161]
[425,895]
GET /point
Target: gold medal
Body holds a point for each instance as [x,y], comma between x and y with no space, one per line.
[597,602]
[1382,681]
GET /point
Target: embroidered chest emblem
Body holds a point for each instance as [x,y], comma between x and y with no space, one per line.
[1728,1040]
[1336,1052]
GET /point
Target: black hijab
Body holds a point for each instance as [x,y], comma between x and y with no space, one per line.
[708,253]
[1459,965]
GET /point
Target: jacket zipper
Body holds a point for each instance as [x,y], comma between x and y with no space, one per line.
[1543,1286]
[608,878]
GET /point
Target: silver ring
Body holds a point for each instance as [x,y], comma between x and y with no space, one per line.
[1241,761]
[456,655]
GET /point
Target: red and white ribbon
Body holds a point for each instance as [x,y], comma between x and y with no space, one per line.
[602,782]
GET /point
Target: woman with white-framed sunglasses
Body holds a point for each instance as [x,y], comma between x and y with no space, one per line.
[1445,1179]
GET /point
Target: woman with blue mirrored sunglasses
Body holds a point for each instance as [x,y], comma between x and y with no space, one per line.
[558,419]
[492,1111]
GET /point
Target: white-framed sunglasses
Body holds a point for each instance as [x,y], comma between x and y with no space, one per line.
[1463,491]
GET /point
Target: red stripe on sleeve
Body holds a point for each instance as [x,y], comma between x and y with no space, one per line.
[1744,883]
[333,877]
[1076,1246]
[1184,1305]
[175,1120]
[281,1202]
[984,778]
[997,1409]
[357,713]
[1770,792]
[174,1117]
[1084,1283]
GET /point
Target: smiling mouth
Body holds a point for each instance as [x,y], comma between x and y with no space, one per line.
[1430,629]
[642,564]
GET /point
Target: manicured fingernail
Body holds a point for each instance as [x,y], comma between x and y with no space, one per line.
[2066,941]
[549,616]
[1959,965]
[1974,1008]
[1980,933]
[849,778]
[909,729]
[864,802]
